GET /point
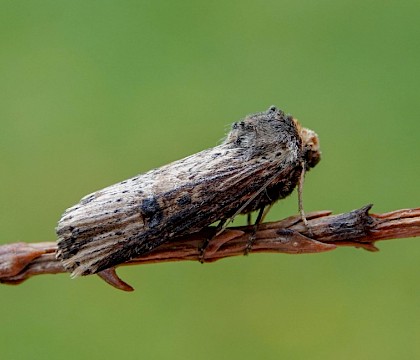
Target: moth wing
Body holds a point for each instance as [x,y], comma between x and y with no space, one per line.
[133,217]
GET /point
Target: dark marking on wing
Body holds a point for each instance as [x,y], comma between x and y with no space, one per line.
[151,211]
[184,200]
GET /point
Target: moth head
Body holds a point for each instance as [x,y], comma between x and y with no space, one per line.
[310,145]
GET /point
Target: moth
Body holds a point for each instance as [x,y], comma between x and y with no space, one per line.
[262,159]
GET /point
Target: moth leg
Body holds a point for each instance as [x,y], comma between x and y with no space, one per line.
[300,195]
[253,234]
[249,219]
[266,211]
[300,199]
[206,242]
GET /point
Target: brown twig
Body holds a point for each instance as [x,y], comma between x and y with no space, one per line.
[358,228]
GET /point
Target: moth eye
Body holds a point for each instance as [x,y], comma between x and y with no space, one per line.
[272,108]
[235,125]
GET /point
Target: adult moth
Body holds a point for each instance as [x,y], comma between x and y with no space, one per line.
[262,159]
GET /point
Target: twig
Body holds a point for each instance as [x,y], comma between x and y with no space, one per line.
[358,228]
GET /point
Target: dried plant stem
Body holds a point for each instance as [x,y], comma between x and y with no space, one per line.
[358,228]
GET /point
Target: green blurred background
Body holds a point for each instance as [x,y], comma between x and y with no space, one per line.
[93,92]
